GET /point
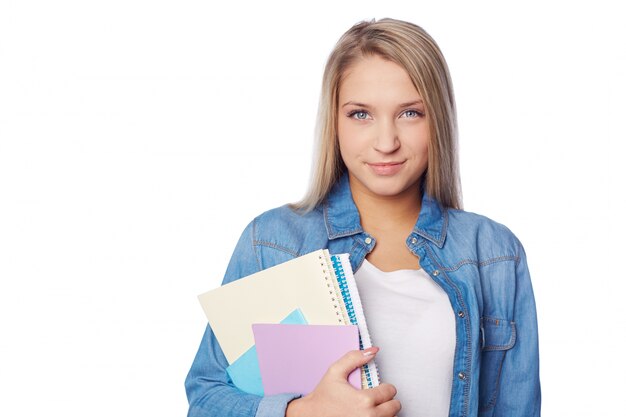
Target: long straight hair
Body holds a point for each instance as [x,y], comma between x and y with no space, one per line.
[409,46]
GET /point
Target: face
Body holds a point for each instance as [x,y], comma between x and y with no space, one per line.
[382,129]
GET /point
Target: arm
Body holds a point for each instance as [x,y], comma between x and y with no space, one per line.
[209,390]
[520,394]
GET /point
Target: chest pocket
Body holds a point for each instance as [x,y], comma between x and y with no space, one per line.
[497,337]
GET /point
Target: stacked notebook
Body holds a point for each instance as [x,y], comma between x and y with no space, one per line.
[309,301]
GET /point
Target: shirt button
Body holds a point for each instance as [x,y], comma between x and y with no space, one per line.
[462,376]
[461,314]
[436,272]
[414,241]
[368,240]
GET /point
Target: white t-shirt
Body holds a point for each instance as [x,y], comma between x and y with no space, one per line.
[410,318]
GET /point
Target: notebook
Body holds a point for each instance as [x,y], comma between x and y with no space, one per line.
[321,285]
[293,358]
[245,372]
[268,296]
[354,309]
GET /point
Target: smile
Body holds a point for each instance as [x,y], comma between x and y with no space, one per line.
[386,168]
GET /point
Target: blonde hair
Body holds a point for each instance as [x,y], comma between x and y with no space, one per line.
[409,46]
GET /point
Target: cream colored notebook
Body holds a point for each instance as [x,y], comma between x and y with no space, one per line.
[269,296]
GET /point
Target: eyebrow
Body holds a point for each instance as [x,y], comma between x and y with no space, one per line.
[409,103]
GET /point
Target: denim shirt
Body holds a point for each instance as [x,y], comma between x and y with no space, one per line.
[479,263]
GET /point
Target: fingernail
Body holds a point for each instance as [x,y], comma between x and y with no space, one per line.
[370,351]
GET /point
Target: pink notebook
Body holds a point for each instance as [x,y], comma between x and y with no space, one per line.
[293,358]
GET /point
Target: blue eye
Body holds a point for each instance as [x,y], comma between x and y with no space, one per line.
[358,114]
[412,114]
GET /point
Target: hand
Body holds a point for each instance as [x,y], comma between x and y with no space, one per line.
[335,397]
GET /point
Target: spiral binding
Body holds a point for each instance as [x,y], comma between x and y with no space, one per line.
[331,286]
[369,372]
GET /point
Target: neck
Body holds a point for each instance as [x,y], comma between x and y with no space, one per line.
[386,212]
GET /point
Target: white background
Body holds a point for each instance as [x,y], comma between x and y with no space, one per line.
[138,138]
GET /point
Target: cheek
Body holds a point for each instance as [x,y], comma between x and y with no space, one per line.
[417,139]
[424,145]
[347,139]
[347,149]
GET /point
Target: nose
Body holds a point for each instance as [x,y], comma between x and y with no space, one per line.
[387,140]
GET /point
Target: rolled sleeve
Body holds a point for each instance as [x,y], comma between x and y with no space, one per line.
[275,405]
[520,393]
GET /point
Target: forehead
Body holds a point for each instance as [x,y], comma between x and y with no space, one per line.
[374,78]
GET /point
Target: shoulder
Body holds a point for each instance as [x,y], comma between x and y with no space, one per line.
[276,236]
[287,230]
[478,224]
[490,239]
[287,218]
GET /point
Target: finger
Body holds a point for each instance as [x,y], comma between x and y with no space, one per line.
[350,361]
[382,393]
[388,409]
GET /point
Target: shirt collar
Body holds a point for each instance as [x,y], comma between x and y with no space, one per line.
[342,217]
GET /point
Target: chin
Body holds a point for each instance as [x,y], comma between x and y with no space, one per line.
[391,190]
[385,186]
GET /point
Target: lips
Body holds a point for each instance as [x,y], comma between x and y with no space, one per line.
[385,168]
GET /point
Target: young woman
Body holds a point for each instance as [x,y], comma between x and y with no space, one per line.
[447,293]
